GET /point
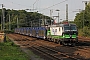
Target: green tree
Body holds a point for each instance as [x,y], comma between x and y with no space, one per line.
[24,18]
[82,20]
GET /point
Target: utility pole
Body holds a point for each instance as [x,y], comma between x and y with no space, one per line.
[3,20]
[86,2]
[9,23]
[43,20]
[66,12]
[83,19]
[17,23]
[58,15]
[34,4]
[39,23]
[33,7]
[31,23]
[51,16]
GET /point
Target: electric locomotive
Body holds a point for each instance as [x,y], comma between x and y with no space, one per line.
[66,34]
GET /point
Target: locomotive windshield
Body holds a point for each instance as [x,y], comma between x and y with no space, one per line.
[70,28]
[66,28]
[73,28]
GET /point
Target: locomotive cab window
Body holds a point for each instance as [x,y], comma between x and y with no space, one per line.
[73,28]
[66,28]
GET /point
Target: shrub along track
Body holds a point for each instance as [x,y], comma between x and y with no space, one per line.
[49,50]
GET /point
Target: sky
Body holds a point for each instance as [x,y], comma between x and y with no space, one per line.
[44,7]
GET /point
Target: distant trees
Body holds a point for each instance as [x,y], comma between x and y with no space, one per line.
[24,18]
[82,19]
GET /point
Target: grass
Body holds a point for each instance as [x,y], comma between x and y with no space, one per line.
[10,51]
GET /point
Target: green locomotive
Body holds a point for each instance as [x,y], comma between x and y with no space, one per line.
[66,34]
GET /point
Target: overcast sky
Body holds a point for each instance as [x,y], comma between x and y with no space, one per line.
[44,6]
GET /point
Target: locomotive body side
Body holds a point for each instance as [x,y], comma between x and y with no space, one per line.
[54,33]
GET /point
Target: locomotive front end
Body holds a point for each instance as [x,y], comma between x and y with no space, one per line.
[70,34]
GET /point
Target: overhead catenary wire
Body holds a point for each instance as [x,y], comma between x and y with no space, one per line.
[54,5]
[35,3]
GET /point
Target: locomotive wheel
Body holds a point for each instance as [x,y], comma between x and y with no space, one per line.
[54,40]
[73,44]
[63,43]
[49,39]
[59,42]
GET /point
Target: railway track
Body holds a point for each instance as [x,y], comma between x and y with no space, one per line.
[51,53]
[84,39]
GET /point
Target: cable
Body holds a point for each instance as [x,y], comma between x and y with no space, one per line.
[35,2]
[55,5]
